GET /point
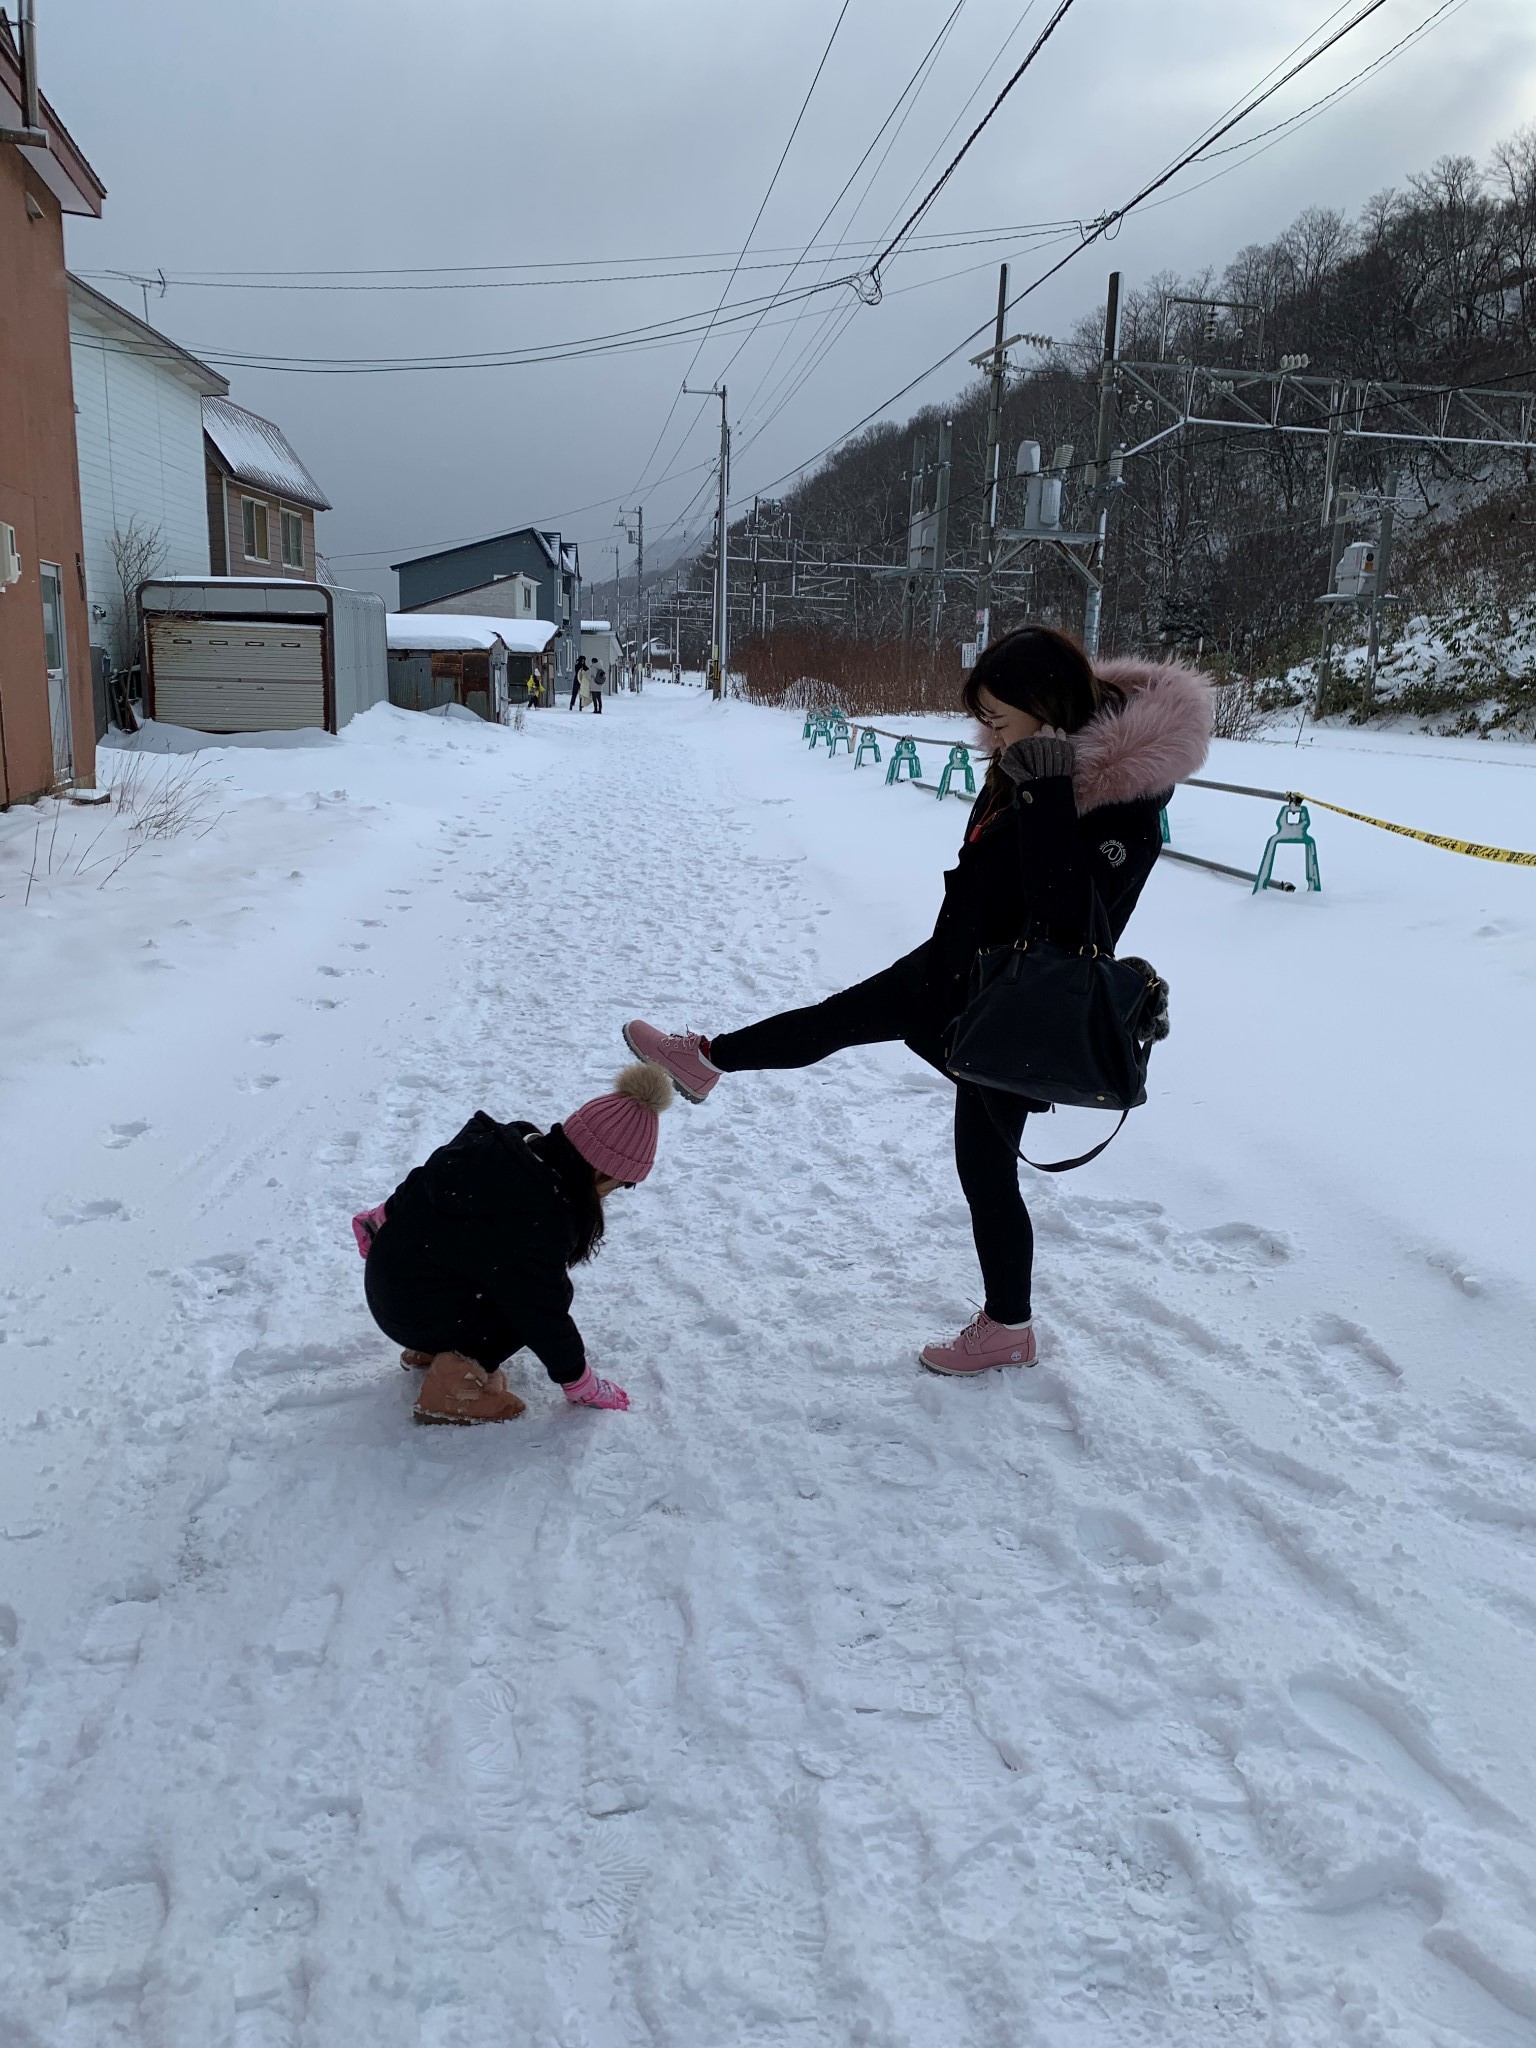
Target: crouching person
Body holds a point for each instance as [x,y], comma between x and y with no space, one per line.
[469,1259]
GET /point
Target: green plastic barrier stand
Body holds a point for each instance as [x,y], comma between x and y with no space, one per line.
[1162,827]
[904,756]
[867,738]
[959,762]
[1293,827]
[838,734]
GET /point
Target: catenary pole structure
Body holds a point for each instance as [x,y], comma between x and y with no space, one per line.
[636,533]
[1099,476]
[720,669]
[996,356]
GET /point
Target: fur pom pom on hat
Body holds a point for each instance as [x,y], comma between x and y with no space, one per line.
[616,1134]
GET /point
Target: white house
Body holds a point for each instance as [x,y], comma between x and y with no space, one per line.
[139,445]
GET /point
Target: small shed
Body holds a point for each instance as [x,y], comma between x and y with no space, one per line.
[253,654]
[600,644]
[484,663]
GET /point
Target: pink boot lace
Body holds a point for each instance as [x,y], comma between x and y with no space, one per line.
[592,1392]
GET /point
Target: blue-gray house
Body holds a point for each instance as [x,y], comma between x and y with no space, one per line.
[528,573]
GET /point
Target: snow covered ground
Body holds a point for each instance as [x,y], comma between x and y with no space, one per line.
[1177,1692]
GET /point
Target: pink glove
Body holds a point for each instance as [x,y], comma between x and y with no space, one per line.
[366,1225]
[591,1392]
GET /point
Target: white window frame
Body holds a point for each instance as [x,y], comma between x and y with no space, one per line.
[284,514]
[248,527]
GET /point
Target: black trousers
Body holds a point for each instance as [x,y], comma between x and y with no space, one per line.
[421,1309]
[988,1125]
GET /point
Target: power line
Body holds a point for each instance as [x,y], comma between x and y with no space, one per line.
[1063,8]
[751,231]
[1098,229]
[450,270]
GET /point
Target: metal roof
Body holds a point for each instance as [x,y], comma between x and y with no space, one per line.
[254,451]
[145,341]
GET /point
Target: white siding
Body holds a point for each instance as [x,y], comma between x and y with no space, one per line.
[139,438]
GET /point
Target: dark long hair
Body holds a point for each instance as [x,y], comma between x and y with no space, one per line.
[576,1179]
[1044,672]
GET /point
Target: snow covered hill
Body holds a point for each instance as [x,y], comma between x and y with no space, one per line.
[1176,1692]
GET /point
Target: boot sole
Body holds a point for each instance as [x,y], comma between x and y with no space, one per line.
[974,1372]
[687,1093]
[462,1421]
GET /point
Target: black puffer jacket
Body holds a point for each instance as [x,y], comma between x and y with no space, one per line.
[486,1214]
[1037,854]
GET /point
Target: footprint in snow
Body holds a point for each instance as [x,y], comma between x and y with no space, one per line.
[258,1084]
[104,1210]
[1337,1333]
[116,1634]
[116,1136]
[110,1936]
[1379,1731]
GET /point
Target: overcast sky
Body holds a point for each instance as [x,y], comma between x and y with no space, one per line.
[341,135]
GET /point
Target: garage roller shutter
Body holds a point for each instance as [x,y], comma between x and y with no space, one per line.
[225,676]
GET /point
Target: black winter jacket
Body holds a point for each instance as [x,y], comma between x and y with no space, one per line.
[485,1212]
[1032,863]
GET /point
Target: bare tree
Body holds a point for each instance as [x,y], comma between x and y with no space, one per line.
[138,553]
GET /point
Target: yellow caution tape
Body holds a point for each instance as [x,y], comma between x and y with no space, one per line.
[1503,853]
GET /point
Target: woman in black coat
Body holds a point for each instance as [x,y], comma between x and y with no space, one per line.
[1083,761]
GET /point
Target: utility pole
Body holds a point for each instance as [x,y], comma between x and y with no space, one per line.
[721,664]
[915,498]
[940,536]
[637,535]
[1093,607]
[1379,588]
[990,473]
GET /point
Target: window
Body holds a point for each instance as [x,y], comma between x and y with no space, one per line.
[293,540]
[527,597]
[255,516]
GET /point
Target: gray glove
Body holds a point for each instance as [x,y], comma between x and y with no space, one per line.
[1032,759]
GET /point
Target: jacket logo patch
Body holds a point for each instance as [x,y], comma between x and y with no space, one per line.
[1114,852]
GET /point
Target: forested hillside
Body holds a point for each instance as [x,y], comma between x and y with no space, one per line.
[1216,539]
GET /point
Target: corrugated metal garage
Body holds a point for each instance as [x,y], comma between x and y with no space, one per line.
[221,676]
[249,654]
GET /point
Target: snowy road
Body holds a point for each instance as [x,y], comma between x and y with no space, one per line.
[1177,1692]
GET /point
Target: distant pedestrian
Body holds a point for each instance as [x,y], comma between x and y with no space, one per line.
[597,689]
[469,1260]
[580,687]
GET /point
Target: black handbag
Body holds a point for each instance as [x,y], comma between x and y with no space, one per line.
[1073,1026]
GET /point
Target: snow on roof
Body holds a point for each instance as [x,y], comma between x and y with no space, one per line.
[254,451]
[596,626]
[444,632]
[568,560]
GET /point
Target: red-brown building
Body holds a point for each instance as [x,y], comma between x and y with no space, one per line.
[47,720]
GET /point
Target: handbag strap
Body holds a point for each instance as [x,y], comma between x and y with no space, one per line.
[1066,1165]
[1047,1165]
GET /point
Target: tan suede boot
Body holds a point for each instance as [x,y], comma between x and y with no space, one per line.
[457,1390]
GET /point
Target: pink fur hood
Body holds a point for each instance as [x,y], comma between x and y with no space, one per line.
[1161,734]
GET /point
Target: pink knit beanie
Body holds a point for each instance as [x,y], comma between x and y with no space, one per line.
[616,1134]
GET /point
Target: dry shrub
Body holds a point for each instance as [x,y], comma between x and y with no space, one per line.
[813,671]
[1237,713]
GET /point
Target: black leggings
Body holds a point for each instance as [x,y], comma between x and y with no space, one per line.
[988,1125]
